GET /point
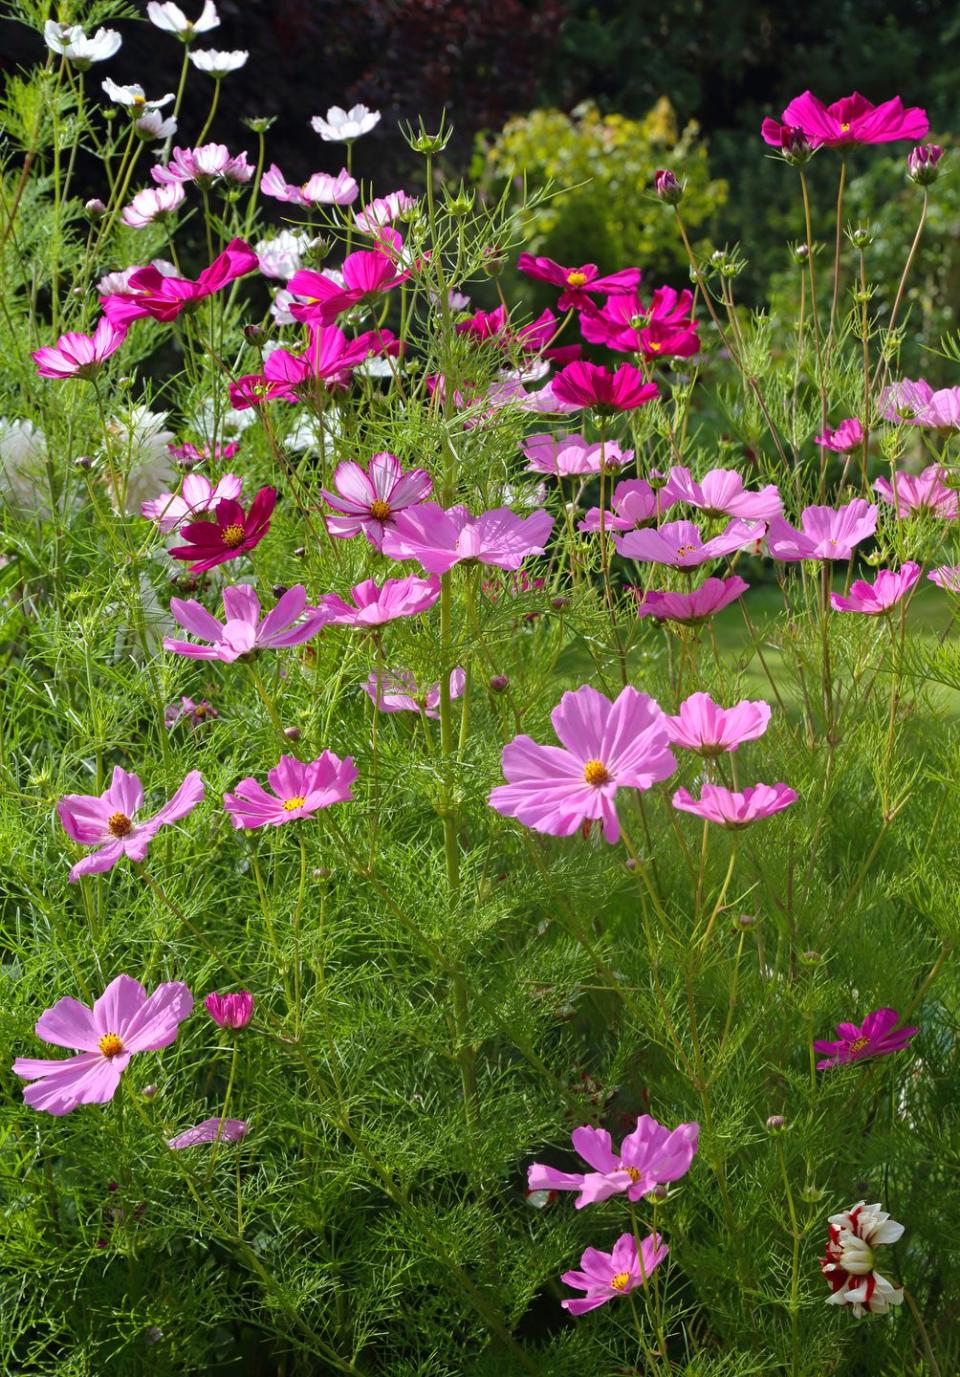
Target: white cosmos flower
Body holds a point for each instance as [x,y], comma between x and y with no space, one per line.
[152,126]
[343,126]
[217,64]
[141,450]
[282,256]
[171,19]
[72,43]
[133,98]
[231,423]
[153,201]
[23,473]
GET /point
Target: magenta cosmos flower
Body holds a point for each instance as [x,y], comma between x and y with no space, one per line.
[847,436]
[375,604]
[849,121]
[197,494]
[650,1156]
[243,631]
[913,494]
[885,592]
[605,1276]
[591,385]
[692,608]
[680,545]
[326,363]
[108,823]
[210,1131]
[164,298]
[123,1021]
[232,532]
[731,809]
[849,1262]
[635,503]
[665,329]
[397,691]
[440,538]
[721,493]
[80,356]
[877,1036]
[366,274]
[532,341]
[564,455]
[578,283]
[604,747]
[703,726]
[369,499]
[298,791]
[230,1010]
[826,533]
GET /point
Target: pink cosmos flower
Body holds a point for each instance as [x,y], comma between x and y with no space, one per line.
[730,809]
[319,190]
[578,283]
[533,340]
[913,494]
[589,384]
[375,605]
[190,455]
[721,493]
[370,499]
[852,120]
[665,329]
[946,577]
[233,532]
[872,599]
[605,747]
[243,632]
[635,503]
[326,363]
[186,710]
[692,608]
[847,436]
[650,1156]
[942,412]
[923,163]
[849,1262]
[230,1010]
[705,727]
[153,203]
[877,1036]
[397,691]
[605,1276]
[441,538]
[197,494]
[906,401]
[107,821]
[209,163]
[680,544]
[80,356]
[563,455]
[298,791]
[383,210]
[210,1131]
[366,273]
[164,297]
[826,533]
[122,1022]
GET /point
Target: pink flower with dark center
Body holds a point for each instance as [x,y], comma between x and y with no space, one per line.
[298,791]
[230,1010]
[873,599]
[946,577]
[605,1276]
[877,1036]
[210,1131]
[243,632]
[578,283]
[852,120]
[849,1262]
[164,297]
[383,210]
[563,455]
[826,533]
[692,608]
[635,503]
[397,691]
[203,166]
[188,711]
[703,726]
[728,808]
[916,494]
[721,493]
[375,604]
[232,532]
[366,274]
[197,494]
[122,1022]
[370,499]
[650,1156]
[440,538]
[80,356]
[152,204]
[847,436]
[590,385]
[108,821]
[906,401]
[604,747]
[680,545]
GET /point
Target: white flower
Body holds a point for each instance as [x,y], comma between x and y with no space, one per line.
[282,256]
[171,19]
[849,1262]
[72,43]
[140,449]
[23,475]
[230,422]
[280,307]
[133,98]
[307,431]
[153,201]
[217,64]
[343,126]
[152,125]
[118,283]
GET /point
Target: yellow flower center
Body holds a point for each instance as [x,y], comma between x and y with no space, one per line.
[845,128]
[619,1282]
[576,279]
[232,536]
[859,1044]
[684,550]
[119,825]
[633,1173]
[290,805]
[654,346]
[379,509]
[596,773]
[139,100]
[110,1045]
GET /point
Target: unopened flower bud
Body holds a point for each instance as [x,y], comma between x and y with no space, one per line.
[292,733]
[631,863]
[154,1334]
[667,187]
[746,920]
[300,551]
[861,237]
[559,602]
[320,872]
[801,253]
[494,260]
[83,461]
[776,1123]
[658,1194]
[923,163]
[259,123]
[498,683]
[811,958]
[278,590]
[459,204]
[794,145]
[253,333]
[95,208]
[150,1091]
[230,1010]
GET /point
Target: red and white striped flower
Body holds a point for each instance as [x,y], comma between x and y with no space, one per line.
[849,1262]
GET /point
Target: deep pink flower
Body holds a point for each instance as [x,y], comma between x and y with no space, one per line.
[731,809]
[605,1276]
[230,1010]
[164,298]
[107,821]
[204,165]
[877,1036]
[946,577]
[721,493]
[885,592]
[397,691]
[80,356]
[703,726]
[852,120]
[232,533]
[369,499]
[923,163]
[327,363]
[366,273]
[197,494]
[906,401]
[441,538]
[375,604]
[826,533]
[668,186]
[605,747]
[298,791]
[650,1156]
[691,608]
[533,340]
[680,545]
[290,623]
[123,1021]
[847,436]
[589,384]
[635,503]
[578,283]
[563,455]
[912,494]
[664,329]
[210,1131]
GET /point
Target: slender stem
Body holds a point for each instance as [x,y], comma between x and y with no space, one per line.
[836,252]
[924,1336]
[213,110]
